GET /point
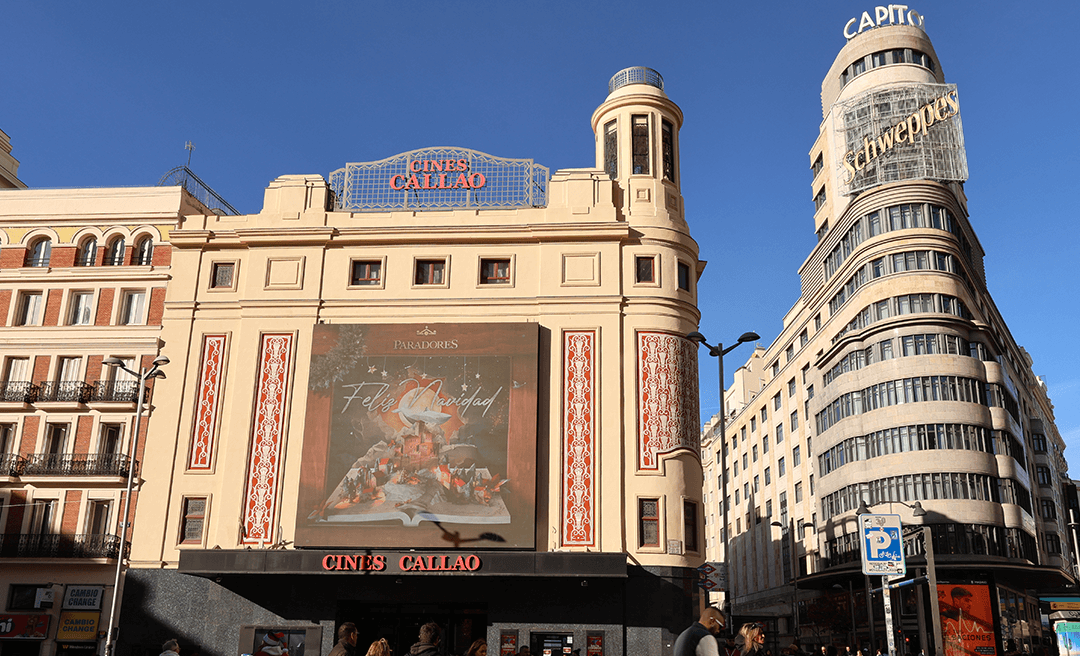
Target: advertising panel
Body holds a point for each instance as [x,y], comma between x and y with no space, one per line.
[967,620]
[417,435]
[24,626]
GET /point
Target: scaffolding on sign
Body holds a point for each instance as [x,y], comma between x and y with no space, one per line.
[439,178]
[938,154]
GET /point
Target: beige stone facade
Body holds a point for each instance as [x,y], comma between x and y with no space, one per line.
[83,275]
[894,379]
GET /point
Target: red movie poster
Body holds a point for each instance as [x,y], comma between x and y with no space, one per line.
[967,620]
[508,643]
[415,432]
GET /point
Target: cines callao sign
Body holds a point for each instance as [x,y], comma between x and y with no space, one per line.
[918,123]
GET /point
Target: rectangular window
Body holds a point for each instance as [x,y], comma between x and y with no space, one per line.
[82,309]
[757,486]
[640,145]
[131,309]
[796,457]
[781,469]
[779,433]
[55,438]
[611,150]
[1049,511]
[789,353]
[768,476]
[798,493]
[690,525]
[29,309]
[221,275]
[803,339]
[776,401]
[645,269]
[430,272]
[754,456]
[366,273]
[494,271]
[764,416]
[684,276]
[97,518]
[667,149]
[765,444]
[753,424]
[794,420]
[70,370]
[649,522]
[193,520]
[791,388]
[7,438]
[109,444]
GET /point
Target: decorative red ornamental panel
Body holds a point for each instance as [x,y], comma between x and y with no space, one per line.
[667,397]
[207,406]
[260,497]
[579,439]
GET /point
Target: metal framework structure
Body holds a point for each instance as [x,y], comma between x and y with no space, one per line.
[385,184]
[635,75]
[937,155]
[183,177]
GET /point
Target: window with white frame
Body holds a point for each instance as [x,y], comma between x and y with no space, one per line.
[28,311]
[81,312]
[132,306]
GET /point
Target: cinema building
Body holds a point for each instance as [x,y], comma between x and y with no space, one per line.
[894,383]
[443,386]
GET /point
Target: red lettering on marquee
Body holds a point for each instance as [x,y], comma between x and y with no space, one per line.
[427,167]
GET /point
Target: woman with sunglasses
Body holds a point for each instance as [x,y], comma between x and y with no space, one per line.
[751,639]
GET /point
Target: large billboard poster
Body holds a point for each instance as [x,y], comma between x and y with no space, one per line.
[417,431]
[967,619]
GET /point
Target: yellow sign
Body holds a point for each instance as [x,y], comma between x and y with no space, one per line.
[1065,605]
[935,111]
[78,625]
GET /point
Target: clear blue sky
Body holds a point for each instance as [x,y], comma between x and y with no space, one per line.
[106,94]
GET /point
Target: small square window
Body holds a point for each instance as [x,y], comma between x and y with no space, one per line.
[649,522]
[430,272]
[645,269]
[193,520]
[495,271]
[366,273]
[684,276]
[222,275]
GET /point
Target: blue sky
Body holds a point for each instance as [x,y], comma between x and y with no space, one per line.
[106,94]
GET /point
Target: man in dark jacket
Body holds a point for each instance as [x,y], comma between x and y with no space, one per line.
[700,638]
[346,644]
[429,641]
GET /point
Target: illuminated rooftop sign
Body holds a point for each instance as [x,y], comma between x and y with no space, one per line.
[440,178]
[887,15]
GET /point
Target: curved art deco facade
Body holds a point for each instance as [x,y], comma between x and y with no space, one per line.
[895,379]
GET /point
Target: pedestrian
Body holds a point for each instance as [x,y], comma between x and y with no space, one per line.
[379,648]
[430,634]
[171,647]
[699,639]
[477,648]
[524,651]
[751,639]
[729,646]
[346,640]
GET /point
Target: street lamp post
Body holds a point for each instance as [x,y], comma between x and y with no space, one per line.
[144,375]
[718,352]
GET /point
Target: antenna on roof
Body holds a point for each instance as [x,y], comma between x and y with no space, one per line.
[189,147]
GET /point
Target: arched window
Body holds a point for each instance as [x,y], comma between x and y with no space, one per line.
[38,253]
[144,251]
[87,252]
[114,252]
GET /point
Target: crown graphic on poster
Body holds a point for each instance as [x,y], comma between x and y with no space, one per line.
[425,331]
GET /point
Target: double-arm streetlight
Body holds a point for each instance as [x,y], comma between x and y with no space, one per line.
[917,510]
[144,374]
[718,352]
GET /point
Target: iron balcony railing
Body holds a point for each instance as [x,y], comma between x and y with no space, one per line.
[123,391]
[21,391]
[75,464]
[86,545]
[63,390]
[11,464]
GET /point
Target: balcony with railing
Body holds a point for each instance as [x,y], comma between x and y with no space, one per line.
[75,464]
[118,391]
[64,391]
[47,545]
[19,391]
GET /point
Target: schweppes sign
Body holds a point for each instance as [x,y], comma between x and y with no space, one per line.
[906,131]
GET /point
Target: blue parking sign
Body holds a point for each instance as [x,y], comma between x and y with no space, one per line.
[882,545]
